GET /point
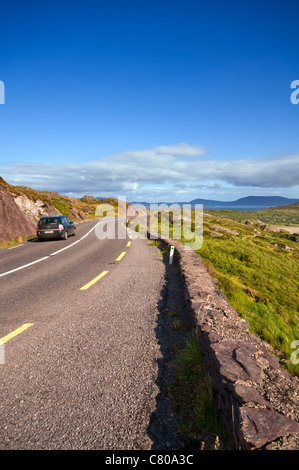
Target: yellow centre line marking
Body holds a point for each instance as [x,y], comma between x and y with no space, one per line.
[121,256]
[94,280]
[17,246]
[129,243]
[15,332]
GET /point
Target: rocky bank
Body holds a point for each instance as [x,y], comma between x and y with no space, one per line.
[21,208]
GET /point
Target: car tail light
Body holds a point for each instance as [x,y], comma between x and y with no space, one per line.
[61,227]
[37,227]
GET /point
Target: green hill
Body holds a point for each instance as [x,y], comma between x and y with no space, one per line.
[280,215]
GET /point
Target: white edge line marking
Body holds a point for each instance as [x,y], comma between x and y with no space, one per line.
[65,248]
[56,252]
[89,231]
[25,266]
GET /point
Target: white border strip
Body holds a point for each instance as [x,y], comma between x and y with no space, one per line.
[56,252]
[25,266]
[65,248]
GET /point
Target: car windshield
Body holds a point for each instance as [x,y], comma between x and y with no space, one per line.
[49,220]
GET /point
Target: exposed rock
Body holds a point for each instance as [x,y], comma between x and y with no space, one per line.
[219,228]
[260,426]
[261,225]
[21,208]
[33,210]
[214,233]
[13,222]
[89,199]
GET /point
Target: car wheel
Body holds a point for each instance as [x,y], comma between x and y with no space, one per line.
[65,235]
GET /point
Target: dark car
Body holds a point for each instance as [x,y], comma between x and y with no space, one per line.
[58,226]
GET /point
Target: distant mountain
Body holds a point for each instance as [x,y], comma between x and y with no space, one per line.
[245,203]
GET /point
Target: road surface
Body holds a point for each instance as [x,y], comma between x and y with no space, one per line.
[79,354]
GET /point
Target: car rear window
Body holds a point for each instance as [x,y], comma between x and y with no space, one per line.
[49,220]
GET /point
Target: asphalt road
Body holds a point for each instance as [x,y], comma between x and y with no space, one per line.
[80,353]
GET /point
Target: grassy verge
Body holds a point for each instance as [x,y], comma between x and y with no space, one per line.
[15,241]
[203,424]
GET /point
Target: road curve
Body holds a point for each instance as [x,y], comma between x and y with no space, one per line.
[82,374]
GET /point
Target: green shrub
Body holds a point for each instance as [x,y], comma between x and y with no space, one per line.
[195,399]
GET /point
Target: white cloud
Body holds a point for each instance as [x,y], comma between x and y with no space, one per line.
[155,170]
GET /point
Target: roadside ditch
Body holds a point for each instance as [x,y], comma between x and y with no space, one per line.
[187,416]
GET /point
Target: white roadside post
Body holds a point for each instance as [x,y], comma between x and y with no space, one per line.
[171,254]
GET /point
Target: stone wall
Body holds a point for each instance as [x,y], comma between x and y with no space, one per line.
[259,399]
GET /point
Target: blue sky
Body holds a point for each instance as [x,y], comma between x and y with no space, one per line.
[159,100]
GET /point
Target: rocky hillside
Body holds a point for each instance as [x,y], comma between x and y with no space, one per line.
[21,207]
